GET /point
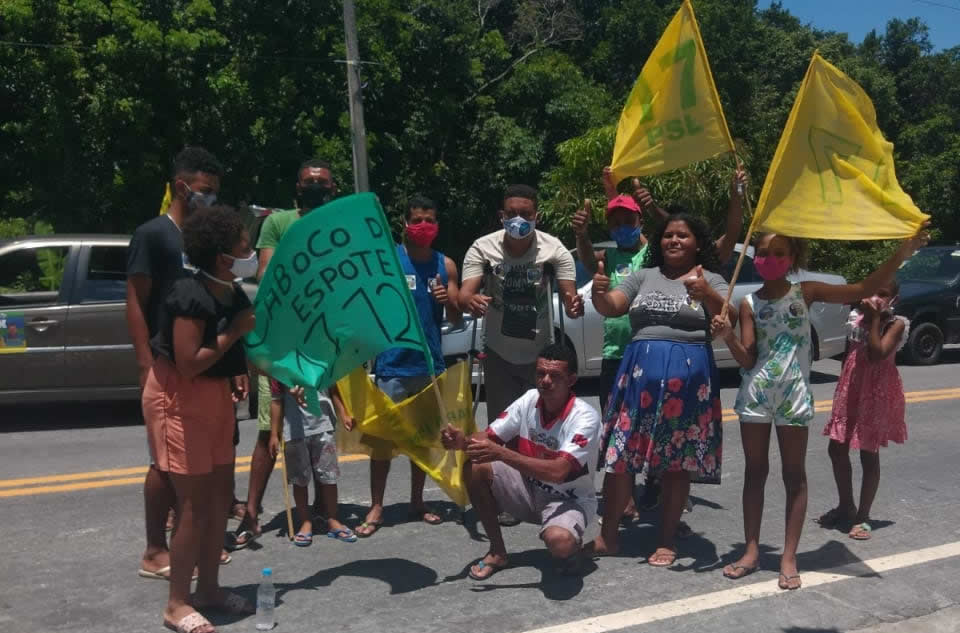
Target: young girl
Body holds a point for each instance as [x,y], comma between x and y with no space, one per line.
[775,353]
[868,407]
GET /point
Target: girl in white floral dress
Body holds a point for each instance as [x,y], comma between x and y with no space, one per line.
[775,351]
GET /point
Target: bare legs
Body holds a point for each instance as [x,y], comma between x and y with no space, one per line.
[846,509]
[792,441]
[379,470]
[617,488]
[158,498]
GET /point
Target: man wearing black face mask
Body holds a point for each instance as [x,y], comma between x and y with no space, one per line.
[315,187]
[154,261]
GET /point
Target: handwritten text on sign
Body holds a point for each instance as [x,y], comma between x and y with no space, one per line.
[333,296]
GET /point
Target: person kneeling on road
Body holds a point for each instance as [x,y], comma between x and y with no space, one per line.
[548,478]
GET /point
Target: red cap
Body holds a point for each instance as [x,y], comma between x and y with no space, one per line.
[623,201]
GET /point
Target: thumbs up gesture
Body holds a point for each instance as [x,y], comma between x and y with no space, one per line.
[601,283]
[581,219]
[697,286]
[440,291]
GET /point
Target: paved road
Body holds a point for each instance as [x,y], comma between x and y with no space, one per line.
[72,533]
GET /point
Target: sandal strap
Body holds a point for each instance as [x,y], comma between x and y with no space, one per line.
[191,622]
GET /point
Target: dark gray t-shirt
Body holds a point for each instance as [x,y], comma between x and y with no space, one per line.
[660,308]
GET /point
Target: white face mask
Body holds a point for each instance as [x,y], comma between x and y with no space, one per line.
[518,228]
[245,267]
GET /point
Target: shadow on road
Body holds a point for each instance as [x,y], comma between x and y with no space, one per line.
[554,585]
[51,417]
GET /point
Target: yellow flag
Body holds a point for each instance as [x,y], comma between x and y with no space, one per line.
[673,116]
[414,425]
[165,203]
[832,175]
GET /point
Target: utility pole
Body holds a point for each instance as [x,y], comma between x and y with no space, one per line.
[358,132]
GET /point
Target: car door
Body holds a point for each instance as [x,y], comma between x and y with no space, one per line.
[99,353]
[34,286]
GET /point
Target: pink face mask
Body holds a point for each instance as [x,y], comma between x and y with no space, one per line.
[422,234]
[771,267]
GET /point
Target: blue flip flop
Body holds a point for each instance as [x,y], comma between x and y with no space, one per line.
[343,534]
[303,539]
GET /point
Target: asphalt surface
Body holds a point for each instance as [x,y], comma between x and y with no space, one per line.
[71,545]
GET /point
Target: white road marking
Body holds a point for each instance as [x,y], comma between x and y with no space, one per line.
[742,593]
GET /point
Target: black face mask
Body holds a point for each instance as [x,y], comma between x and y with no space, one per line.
[314,195]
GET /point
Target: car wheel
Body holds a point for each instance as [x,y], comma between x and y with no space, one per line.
[924,344]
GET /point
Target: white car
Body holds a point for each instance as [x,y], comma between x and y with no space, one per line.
[585,335]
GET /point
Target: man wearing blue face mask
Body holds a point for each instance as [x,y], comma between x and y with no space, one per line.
[509,265]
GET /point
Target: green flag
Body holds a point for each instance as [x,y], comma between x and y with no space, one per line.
[333,296]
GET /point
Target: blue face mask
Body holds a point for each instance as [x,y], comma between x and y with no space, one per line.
[626,236]
[518,228]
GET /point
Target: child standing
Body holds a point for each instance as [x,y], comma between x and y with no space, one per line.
[775,353]
[310,451]
[868,407]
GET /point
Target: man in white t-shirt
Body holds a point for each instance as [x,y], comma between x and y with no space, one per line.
[513,266]
[537,462]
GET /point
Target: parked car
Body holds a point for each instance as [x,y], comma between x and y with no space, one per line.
[66,296]
[930,298]
[585,335]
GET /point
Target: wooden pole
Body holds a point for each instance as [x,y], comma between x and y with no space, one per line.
[358,132]
[286,488]
[743,253]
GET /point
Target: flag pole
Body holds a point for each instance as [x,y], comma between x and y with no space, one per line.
[743,251]
[286,487]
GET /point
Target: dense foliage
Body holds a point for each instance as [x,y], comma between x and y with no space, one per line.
[461,98]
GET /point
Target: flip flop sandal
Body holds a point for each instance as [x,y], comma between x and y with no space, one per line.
[376,525]
[784,582]
[740,571]
[189,623]
[480,565]
[303,539]
[161,574]
[233,604]
[225,560]
[860,532]
[421,516]
[667,559]
[248,536]
[343,534]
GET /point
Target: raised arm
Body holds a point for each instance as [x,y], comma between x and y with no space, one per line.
[851,293]
[727,242]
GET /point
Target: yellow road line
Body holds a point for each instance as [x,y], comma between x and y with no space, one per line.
[49,484]
[102,483]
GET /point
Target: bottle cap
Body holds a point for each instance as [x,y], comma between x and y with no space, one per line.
[267,571]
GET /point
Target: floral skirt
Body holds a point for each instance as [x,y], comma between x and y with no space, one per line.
[664,413]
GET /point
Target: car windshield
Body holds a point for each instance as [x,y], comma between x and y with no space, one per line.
[935,264]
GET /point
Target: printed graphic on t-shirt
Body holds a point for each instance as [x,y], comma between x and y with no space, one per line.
[659,308]
[412,282]
[523,298]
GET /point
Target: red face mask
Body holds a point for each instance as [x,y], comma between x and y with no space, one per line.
[422,234]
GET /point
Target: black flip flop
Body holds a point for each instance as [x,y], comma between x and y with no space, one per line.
[483,565]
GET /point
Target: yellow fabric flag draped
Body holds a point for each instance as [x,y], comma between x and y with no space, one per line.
[832,175]
[413,425]
[165,203]
[673,115]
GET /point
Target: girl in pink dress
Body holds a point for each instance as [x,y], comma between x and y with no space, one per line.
[868,407]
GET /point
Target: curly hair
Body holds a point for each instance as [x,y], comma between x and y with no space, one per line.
[209,232]
[706,248]
[799,248]
[192,160]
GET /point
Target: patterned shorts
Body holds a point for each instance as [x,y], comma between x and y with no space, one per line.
[312,456]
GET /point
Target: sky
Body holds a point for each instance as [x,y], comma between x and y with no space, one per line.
[859,17]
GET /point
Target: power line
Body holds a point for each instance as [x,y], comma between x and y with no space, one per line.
[938,4]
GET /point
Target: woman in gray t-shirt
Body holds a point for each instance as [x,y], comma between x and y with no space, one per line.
[663,418]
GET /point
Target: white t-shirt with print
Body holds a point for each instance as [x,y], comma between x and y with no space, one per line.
[516,325]
[574,435]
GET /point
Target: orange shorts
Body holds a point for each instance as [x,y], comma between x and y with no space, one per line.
[189,422]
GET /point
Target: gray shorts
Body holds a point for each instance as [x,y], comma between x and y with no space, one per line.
[519,497]
[314,456]
[504,382]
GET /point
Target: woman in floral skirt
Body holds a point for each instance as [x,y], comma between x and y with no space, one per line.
[663,419]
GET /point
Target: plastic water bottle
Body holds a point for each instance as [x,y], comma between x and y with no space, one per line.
[266,599]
